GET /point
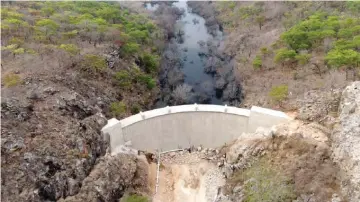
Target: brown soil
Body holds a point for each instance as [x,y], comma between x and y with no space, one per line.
[183,182]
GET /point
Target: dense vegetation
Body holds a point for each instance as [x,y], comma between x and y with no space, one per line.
[337,36]
[333,35]
[302,45]
[71,32]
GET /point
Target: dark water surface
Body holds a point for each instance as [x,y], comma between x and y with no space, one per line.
[193,64]
[193,29]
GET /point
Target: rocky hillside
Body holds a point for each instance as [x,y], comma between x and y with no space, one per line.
[346,141]
[65,67]
[294,46]
[298,161]
[69,66]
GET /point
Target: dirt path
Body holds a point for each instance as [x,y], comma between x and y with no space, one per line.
[186,177]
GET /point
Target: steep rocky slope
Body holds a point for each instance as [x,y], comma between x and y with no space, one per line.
[52,110]
[311,162]
[346,141]
[60,78]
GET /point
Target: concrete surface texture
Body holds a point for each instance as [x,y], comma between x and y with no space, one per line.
[188,125]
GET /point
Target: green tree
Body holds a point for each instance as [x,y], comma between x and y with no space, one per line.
[303,58]
[285,55]
[151,62]
[46,28]
[72,49]
[353,6]
[48,11]
[337,58]
[257,62]
[296,39]
[14,26]
[279,93]
[130,48]
[139,36]
[260,20]
[147,80]
[108,13]
[123,78]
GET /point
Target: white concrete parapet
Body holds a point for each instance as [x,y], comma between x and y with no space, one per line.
[188,125]
[183,108]
[263,117]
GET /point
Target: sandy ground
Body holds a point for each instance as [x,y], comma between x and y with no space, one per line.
[190,179]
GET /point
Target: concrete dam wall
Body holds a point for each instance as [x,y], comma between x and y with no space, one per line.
[184,126]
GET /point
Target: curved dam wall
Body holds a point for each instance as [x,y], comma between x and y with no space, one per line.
[184,126]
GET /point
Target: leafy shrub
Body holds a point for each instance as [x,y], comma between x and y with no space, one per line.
[264,50]
[337,58]
[135,198]
[130,48]
[48,24]
[279,93]
[17,41]
[264,182]
[232,5]
[18,51]
[283,55]
[10,47]
[7,13]
[94,62]
[260,20]
[139,36]
[135,109]
[353,6]
[312,31]
[11,79]
[31,51]
[123,78]
[151,62]
[147,80]
[70,34]
[257,62]
[72,49]
[117,108]
[151,83]
[303,58]
[348,44]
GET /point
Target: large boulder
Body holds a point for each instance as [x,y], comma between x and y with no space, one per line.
[111,177]
[346,141]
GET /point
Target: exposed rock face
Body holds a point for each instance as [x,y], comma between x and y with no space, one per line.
[346,141]
[319,106]
[52,169]
[250,145]
[110,178]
